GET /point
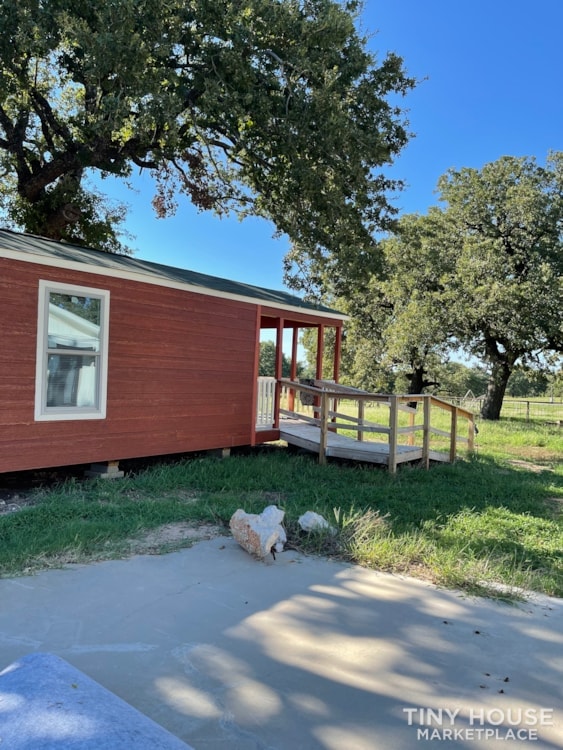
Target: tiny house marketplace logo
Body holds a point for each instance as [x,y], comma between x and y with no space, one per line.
[437,724]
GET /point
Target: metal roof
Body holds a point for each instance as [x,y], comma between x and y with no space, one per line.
[63,254]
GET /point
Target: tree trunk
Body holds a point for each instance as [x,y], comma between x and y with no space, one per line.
[496,388]
[418,383]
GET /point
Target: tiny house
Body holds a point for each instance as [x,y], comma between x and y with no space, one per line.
[108,357]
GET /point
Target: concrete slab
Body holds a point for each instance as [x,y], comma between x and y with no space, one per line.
[300,653]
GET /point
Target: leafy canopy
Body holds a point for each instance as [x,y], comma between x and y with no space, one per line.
[399,325]
[267,365]
[484,272]
[504,231]
[271,108]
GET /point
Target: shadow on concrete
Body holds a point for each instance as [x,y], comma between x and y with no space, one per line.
[226,651]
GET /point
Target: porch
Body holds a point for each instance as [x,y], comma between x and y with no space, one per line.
[338,421]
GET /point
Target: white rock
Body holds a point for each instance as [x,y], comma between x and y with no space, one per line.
[311,521]
[258,534]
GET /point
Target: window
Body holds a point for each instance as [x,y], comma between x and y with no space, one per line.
[72,345]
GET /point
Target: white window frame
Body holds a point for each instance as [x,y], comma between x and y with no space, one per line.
[43,412]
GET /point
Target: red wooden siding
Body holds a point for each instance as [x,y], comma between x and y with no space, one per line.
[181,373]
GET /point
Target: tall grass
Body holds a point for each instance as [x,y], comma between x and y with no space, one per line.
[490,523]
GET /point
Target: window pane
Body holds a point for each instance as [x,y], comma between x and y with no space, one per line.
[74,322]
[72,380]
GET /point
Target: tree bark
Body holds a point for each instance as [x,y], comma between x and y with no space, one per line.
[418,383]
[496,388]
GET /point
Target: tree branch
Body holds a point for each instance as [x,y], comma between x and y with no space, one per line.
[49,122]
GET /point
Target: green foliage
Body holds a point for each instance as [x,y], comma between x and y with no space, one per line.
[524,382]
[309,341]
[68,209]
[502,226]
[456,379]
[399,329]
[556,384]
[274,109]
[267,366]
[483,273]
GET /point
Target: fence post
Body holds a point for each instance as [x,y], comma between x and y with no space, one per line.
[426,433]
[324,427]
[527,411]
[393,424]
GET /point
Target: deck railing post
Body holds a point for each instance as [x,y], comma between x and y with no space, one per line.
[291,399]
[471,434]
[412,420]
[393,426]
[361,417]
[324,427]
[426,432]
[278,389]
[453,435]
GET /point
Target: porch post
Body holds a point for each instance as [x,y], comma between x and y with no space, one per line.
[278,371]
[320,351]
[319,366]
[337,353]
[293,374]
[256,371]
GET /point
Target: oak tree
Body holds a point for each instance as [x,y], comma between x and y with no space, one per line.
[399,330]
[275,109]
[483,272]
[504,234]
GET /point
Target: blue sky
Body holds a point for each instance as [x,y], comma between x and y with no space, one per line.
[490,76]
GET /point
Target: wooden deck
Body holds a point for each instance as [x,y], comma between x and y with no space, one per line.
[308,436]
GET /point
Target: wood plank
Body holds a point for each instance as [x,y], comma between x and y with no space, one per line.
[407,409]
[438,456]
[436,431]
[409,430]
[338,446]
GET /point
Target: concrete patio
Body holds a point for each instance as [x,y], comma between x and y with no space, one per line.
[301,652]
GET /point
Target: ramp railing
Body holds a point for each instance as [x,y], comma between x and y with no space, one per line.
[433,431]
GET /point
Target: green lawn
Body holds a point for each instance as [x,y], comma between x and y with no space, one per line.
[493,518]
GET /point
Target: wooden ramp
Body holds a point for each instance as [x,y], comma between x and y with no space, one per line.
[308,436]
[333,420]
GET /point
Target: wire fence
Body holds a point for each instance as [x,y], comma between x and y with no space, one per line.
[527,410]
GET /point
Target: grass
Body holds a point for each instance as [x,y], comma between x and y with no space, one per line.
[490,524]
